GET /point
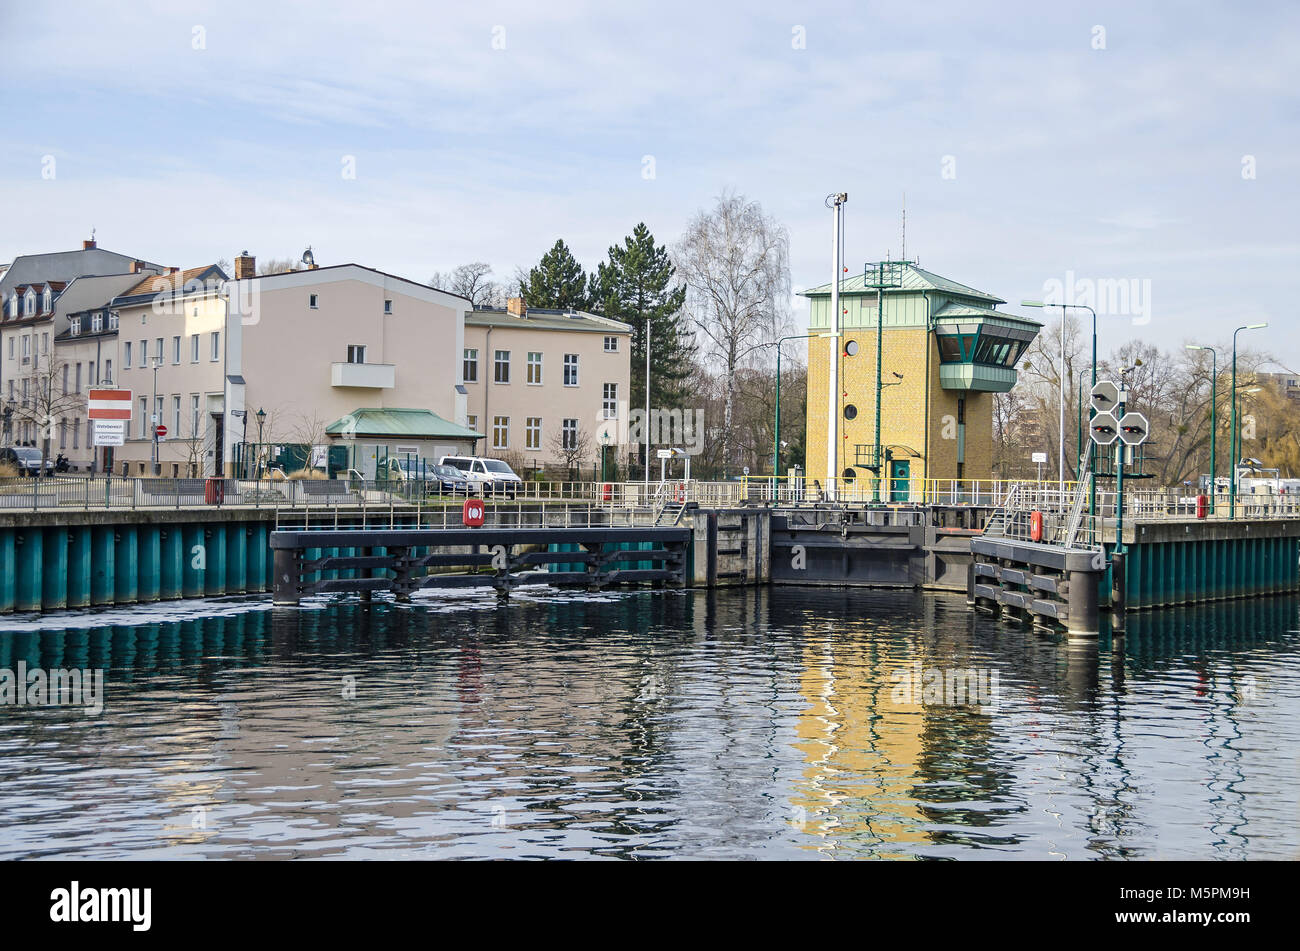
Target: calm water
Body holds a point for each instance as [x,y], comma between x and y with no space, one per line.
[774,724]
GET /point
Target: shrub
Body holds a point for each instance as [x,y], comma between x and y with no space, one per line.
[8,470]
[306,474]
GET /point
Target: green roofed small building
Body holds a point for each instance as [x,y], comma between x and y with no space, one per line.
[946,351]
[366,439]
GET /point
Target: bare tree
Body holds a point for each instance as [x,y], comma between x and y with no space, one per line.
[274,266]
[571,447]
[48,398]
[309,430]
[472,281]
[735,263]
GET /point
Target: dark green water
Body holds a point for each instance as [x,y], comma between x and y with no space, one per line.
[741,724]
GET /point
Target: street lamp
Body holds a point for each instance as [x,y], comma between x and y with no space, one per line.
[1092,475]
[157,362]
[261,418]
[1233,437]
[776,422]
[1214,427]
[604,445]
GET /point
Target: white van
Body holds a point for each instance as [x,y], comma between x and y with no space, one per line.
[488,476]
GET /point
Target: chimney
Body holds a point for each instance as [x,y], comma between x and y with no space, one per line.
[137,267]
[245,266]
[87,245]
[516,308]
[172,270]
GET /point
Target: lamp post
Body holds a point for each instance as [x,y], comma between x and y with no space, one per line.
[1092,449]
[243,445]
[1214,425]
[1232,433]
[153,415]
[604,444]
[261,418]
[776,423]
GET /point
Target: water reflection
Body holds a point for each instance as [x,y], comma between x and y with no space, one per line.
[714,724]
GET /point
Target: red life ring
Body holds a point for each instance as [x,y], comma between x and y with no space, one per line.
[1035,526]
[471,513]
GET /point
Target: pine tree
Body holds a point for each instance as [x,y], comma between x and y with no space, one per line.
[636,284]
[558,281]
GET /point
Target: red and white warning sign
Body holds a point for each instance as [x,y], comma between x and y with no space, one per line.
[110,404]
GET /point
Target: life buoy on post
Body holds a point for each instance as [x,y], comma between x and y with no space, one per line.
[1035,526]
[471,513]
[681,491]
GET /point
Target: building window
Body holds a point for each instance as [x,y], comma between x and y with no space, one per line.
[26,388]
[11,348]
[63,434]
[216,345]
[570,369]
[176,351]
[312,300]
[65,379]
[144,353]
[91,379]
[108,371]
[569,434]
[27,349]
[194,416]
[158,351]
[144,417]
[112,320]
[500,432]
[45,343]
[356,353]
[471,422]
[31,303]
[74,326]
[176,416]
[76,433]
[611,345]
[470,369]
[126,354]
[194,348]
[388,306]
[534,367]
[502,366]
[47,301]
[611,401]
[533,432]
[96,322]
[157,410]
[78,390]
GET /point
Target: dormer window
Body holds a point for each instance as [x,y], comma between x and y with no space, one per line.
[47,302]
[74,326]
[13,305]
[112,320]
[96,322]
[30,303]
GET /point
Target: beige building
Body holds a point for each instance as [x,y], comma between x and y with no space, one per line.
[307,347]
[545,385]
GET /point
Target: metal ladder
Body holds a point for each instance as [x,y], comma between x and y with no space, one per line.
[998,521]
[1080,494]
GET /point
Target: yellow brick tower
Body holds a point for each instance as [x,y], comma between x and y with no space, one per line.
[946,349]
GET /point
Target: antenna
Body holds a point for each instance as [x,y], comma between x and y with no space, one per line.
[904,254]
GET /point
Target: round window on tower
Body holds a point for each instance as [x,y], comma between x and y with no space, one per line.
[851,348]
[850,412]
[849,475]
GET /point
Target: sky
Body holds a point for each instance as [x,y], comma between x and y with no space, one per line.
[1148,154]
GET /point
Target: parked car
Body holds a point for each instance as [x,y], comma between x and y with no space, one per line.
[447,479]
[27,460]
[487,476]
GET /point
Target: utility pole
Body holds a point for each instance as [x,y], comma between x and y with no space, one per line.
[835,203]
[646,422]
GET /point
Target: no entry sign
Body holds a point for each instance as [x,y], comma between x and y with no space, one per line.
[110,404]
